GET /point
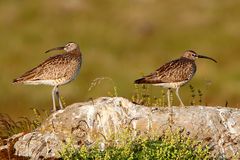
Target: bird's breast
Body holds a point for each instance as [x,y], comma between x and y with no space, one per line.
[171,84]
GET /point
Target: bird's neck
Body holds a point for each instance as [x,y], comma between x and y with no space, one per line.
[187,59]
[75,51]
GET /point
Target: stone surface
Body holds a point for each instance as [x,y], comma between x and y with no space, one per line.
[7,150]
[83,122]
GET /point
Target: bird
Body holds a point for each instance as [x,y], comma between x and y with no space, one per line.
[55,71]
[174,74]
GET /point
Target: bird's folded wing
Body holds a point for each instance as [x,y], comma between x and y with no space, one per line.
[174,71]
[52,68]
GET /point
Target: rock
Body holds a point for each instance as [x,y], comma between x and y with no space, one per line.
[82,122]
[7,148]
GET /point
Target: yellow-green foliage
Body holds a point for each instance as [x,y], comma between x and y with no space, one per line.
[168,146]
[143,96]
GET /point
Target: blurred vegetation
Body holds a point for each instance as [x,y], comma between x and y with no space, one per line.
[122,40]
[9,127]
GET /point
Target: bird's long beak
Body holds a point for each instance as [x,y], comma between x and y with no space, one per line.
[201,56]
[53,49]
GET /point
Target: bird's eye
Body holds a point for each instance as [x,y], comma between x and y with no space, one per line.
[193,54]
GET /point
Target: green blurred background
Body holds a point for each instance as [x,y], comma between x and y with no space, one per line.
[122,40]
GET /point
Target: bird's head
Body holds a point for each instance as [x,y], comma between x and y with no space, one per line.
[71,46]
[190,54]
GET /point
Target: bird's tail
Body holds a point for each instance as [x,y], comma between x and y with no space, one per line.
[29,75]
[140,81]
[17,81]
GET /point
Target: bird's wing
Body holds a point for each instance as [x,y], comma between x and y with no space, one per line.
[53,68]
[173,71]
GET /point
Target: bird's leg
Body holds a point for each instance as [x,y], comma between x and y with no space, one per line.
[181,103]
[59,99]
[171,109]
[168,97]
[53,98]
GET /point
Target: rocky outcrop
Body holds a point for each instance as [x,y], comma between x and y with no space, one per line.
[82,122]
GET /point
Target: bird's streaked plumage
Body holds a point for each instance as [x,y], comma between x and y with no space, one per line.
[175,73]
[56,70]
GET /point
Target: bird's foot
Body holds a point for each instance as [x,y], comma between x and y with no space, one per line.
[52,111]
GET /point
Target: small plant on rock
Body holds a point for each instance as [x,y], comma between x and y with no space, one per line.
[168,146]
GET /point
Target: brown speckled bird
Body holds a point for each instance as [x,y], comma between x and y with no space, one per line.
[174,74]
[55,71]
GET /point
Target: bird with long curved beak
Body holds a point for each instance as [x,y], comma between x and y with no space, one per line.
[55,71]
[174,74]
